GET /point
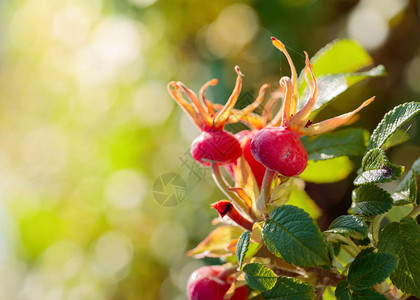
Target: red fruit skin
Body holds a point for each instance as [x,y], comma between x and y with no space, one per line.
[215,145]
[280,150]
[204,284]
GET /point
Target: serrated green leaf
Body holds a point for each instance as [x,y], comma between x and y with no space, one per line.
[259,277]
[368,295]
[377,168]
[345,142]
[366,251]
[349,226]
[342,291]
[391,122]
[242,247]
[288,288]
[403,239]
[371,200]
[327,171]
[330,86]
[290,233]
[370,269]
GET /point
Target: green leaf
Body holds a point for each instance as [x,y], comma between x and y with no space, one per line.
[403,239]
[398,137]
[259,277]
[416,166]
[371,200]
[327,171]
[377,168]
[391,122]
[330,86]
[349,226]
[368,295]
[370,269]
[406,191]
[291,234]
[301,199]
[342,292]
[339,56]
[345,142]
[242,247]
[288,288]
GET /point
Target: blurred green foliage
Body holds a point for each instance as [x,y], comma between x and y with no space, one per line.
[86,126]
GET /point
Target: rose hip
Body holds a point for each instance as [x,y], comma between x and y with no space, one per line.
[206,283]
[280,150]
[215,145]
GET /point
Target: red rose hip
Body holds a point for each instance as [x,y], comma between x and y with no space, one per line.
[205,284]
[217,146]
[280,149]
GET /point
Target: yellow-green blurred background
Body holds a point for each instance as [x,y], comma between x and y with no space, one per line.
[86,126]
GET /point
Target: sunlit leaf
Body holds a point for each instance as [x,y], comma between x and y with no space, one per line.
[327,171]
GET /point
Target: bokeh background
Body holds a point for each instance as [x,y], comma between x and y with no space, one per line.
[87,127]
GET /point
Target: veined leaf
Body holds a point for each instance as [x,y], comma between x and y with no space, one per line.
[216,243]
[370,269]
[342,291]
[242,247]
[259,277]
[345,142]
[403,239]
[349,226]
[391,122]
[290,289]
[377,168]
[332,85]
[290,233]
[327,171]
[371,200]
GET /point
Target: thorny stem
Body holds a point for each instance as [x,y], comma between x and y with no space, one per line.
[415,212]
[265,191]
[221,183]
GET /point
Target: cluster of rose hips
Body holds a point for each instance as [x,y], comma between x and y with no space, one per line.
[271,147]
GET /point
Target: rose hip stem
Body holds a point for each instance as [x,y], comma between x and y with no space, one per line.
[221,183]
[265,190]
[225,207]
